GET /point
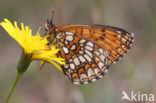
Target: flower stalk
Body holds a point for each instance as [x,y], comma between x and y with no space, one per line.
[24,62]
[22,66]
[16,79]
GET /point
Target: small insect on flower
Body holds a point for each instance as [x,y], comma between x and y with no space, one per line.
[88,50]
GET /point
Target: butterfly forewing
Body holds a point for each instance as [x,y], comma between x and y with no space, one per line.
[114,40]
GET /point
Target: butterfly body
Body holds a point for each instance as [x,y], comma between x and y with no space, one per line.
[88,50]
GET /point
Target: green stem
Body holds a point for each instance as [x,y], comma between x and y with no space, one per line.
[22,66]
[16,79]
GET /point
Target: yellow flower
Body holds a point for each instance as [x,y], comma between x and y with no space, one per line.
[33,45]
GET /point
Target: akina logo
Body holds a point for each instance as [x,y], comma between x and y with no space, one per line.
[137,97]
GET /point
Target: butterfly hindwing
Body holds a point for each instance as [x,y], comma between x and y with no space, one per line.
[85,60]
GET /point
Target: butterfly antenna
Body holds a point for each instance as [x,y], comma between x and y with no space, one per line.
[54,13]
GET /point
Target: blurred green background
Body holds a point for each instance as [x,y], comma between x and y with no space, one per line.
[135,72]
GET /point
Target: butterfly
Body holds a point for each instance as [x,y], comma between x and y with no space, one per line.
[88,50]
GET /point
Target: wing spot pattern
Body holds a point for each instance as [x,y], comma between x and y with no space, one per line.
[94,48]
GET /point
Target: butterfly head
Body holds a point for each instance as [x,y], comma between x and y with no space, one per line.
[51,29]
[49,26]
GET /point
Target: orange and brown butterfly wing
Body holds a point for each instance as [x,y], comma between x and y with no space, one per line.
[89,50]
[114,40]
[85,60]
